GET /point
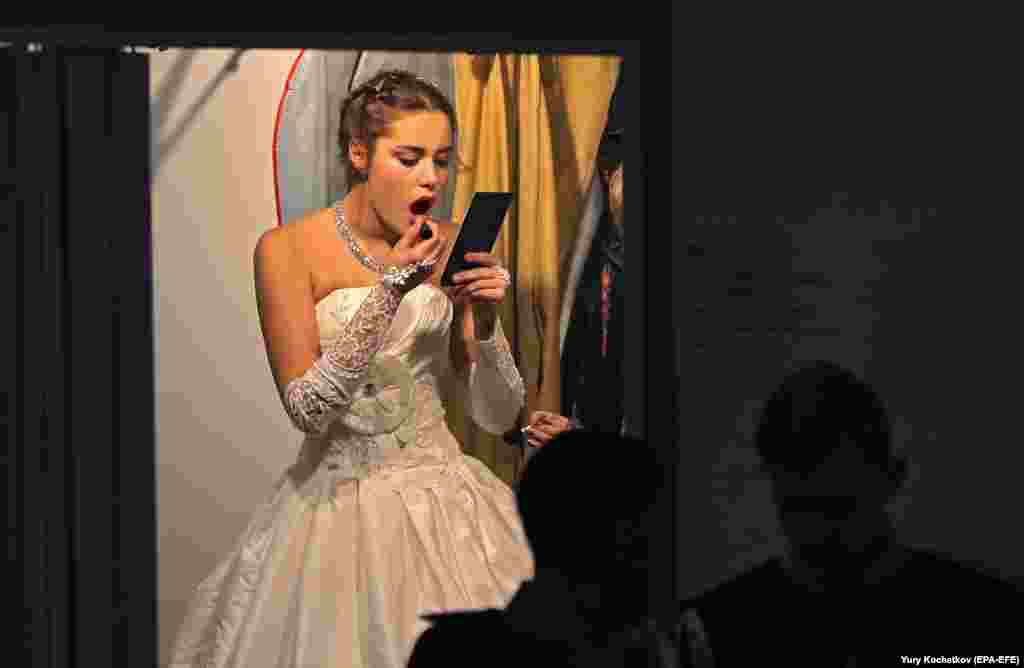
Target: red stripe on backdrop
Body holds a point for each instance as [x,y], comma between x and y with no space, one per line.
[277,130]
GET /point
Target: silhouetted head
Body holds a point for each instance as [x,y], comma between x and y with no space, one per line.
[825,439]
[586,504]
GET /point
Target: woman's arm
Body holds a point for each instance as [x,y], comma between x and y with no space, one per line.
[468,327]
[316,385]
[463,349]
[480,352]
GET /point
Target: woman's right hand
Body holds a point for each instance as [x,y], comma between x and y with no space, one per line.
[416,258]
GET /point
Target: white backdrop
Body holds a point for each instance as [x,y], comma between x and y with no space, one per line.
[222,437]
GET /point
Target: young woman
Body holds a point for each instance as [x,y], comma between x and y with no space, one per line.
[382,518]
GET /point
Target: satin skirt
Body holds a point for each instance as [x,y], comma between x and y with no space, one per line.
[339,576]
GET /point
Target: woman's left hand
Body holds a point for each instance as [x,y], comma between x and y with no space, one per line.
[486,284]
[544,426]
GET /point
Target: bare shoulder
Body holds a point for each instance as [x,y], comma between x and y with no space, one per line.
[292,243]
[307,231]
[275,250]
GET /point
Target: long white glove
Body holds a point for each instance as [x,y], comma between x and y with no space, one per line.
[496,390]
[316,398]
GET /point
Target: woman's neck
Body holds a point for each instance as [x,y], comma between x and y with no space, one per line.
[371,233]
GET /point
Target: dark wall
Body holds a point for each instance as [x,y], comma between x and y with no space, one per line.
[77,376]
[870,218]
[896,294]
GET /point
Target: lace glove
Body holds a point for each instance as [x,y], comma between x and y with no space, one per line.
[317,397]
[496,390]
[314,399]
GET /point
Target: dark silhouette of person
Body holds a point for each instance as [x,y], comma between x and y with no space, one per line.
[586,505]
[847,592]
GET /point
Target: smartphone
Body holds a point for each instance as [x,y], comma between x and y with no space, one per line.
[478,232]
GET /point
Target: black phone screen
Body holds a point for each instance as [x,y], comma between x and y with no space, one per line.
[478,232]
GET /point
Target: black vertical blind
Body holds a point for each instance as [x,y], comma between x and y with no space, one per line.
[79,392]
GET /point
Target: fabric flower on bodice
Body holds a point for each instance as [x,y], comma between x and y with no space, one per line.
[385,403]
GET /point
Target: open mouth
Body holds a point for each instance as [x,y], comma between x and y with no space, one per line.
[421,206]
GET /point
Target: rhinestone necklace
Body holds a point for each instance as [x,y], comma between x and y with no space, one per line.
[346,233]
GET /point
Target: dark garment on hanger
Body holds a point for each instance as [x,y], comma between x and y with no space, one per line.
[592,382]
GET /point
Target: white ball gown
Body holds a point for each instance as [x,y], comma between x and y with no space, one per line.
[380,520]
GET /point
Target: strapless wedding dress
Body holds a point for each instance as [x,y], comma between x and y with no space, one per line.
[380,520]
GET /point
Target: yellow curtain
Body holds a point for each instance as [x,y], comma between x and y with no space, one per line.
[531,125]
